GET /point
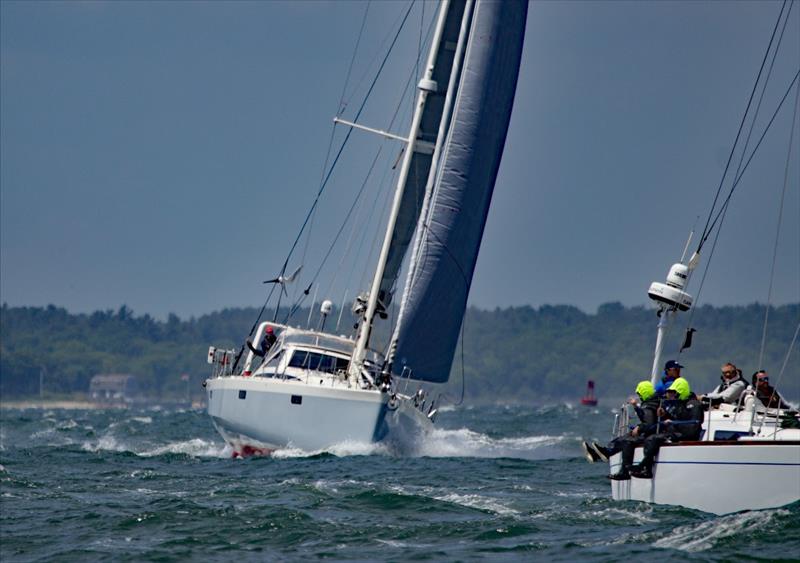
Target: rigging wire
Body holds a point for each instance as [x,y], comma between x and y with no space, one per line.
[325,182]
[347,217]
[253,328]
[739,170]
[342,147]
[405,91]
[408,95]
[706,229]
[778,230]
[724,208]
[720,216]
[763,90]
[339,110]
[369,173]
[382,192]
[342,103]
[788,355]
[376,55]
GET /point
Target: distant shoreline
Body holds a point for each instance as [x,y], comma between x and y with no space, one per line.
[76,404]
[57,404]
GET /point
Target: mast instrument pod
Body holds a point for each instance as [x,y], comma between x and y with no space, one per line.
[671,295]
[671,298]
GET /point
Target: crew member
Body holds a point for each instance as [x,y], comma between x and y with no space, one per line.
[730,388]
[672,371]
[266,343]
[680,419]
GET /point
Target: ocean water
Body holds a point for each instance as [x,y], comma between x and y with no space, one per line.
[505,483]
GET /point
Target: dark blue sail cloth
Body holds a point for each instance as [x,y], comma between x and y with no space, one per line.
[449,232]
[414,192]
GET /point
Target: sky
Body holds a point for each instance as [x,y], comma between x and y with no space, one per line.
[163,155]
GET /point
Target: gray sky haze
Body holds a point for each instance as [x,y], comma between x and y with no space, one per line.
[163,155]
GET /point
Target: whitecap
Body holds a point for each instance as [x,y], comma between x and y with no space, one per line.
[402,544]
[104,443]
[289,452]
[488,504]
[44,433]
[144,491]
[328,486]
[471,500]
[143,419]
[468,443]
[195,447]
[67,425]
[703,536]
[342,449]
[644,516]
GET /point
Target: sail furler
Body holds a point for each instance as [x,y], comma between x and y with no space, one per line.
[414,191]
[451,224]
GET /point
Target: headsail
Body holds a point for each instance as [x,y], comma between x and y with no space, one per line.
[414,191]
[451,224]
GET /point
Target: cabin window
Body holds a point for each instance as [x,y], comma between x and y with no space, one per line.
[721,435]
[318,362]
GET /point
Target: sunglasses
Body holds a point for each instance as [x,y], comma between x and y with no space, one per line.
[764,379]
[728,373]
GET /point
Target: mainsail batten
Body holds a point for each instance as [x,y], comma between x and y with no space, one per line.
[449,233]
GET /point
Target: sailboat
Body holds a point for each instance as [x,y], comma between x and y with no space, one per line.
[748,454]
[315,389]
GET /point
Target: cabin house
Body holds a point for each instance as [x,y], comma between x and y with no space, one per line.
[117,387]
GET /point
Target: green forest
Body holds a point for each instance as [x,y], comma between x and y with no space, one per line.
[513,354]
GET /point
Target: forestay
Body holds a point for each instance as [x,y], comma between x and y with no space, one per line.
[453,215]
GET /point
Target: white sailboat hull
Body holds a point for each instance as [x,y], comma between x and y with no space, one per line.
[261,414]
[717,477]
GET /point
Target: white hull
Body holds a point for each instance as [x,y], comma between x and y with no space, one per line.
[261,414]
[717,477]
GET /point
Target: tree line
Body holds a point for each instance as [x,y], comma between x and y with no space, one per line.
[517,353]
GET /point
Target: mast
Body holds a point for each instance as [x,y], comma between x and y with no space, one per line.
[671,298]
[426,85]
[458,195]
[443,124]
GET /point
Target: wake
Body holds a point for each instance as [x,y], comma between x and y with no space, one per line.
[442,443]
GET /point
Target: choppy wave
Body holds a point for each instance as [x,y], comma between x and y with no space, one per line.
[493,482]
[194,447]
[705,535]
[480,502]
[449,443]
[342,449]
[468,443]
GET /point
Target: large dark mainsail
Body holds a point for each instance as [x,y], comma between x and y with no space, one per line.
[453,216]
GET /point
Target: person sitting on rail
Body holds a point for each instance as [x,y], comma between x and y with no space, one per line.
[730,389]
[680,419]
[646,411]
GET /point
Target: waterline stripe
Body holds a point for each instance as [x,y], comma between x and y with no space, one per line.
[725,463]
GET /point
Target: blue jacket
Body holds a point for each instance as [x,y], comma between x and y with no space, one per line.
[663,385]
